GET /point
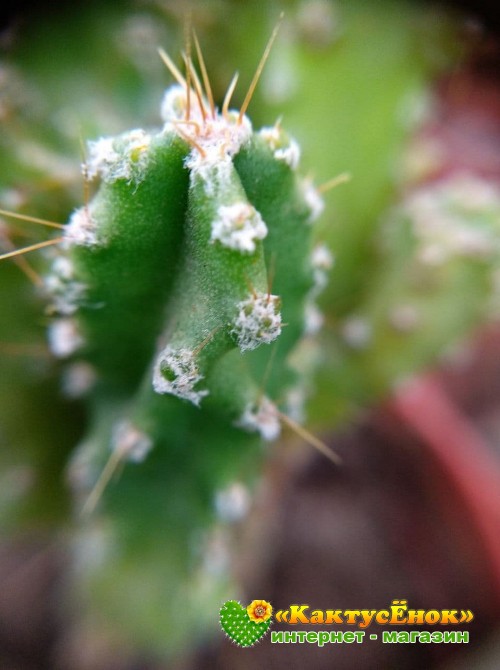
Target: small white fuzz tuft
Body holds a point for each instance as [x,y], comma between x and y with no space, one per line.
[81,229]
[60,284]
[313,318]
[219,140]
[289,155]
[64,337]
[215,173]
[102,158]
[322,263]
[130,442]
[173,104]
[125,157]
[321,257]
[176,373]
[261,417]
[63,268]
[238,226]
[284,148]
[313,200]
[258,321]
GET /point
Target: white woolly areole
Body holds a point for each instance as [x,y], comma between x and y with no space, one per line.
[132,443]
[63,268]
[313,318]
[289,155]
[173,104]
[215,139]
[215,174]
[176,373]
[64,337]
[102,157]
[60,284]
[258,321]
[124,157]
[284,148]
[81,229]
[219,140]
[321,257]
[313,200]
[273,135]
[322,262]
[262,418]
[238,226]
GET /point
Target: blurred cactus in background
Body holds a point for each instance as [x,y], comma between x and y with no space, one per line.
[190,310]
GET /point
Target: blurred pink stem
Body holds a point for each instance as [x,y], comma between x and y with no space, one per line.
[426,408]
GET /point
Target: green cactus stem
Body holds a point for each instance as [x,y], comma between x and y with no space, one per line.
[182,293]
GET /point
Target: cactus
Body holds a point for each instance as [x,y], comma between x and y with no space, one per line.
[183,294]
[438,254]
[180,294]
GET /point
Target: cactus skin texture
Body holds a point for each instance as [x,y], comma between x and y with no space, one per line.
[180,292]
